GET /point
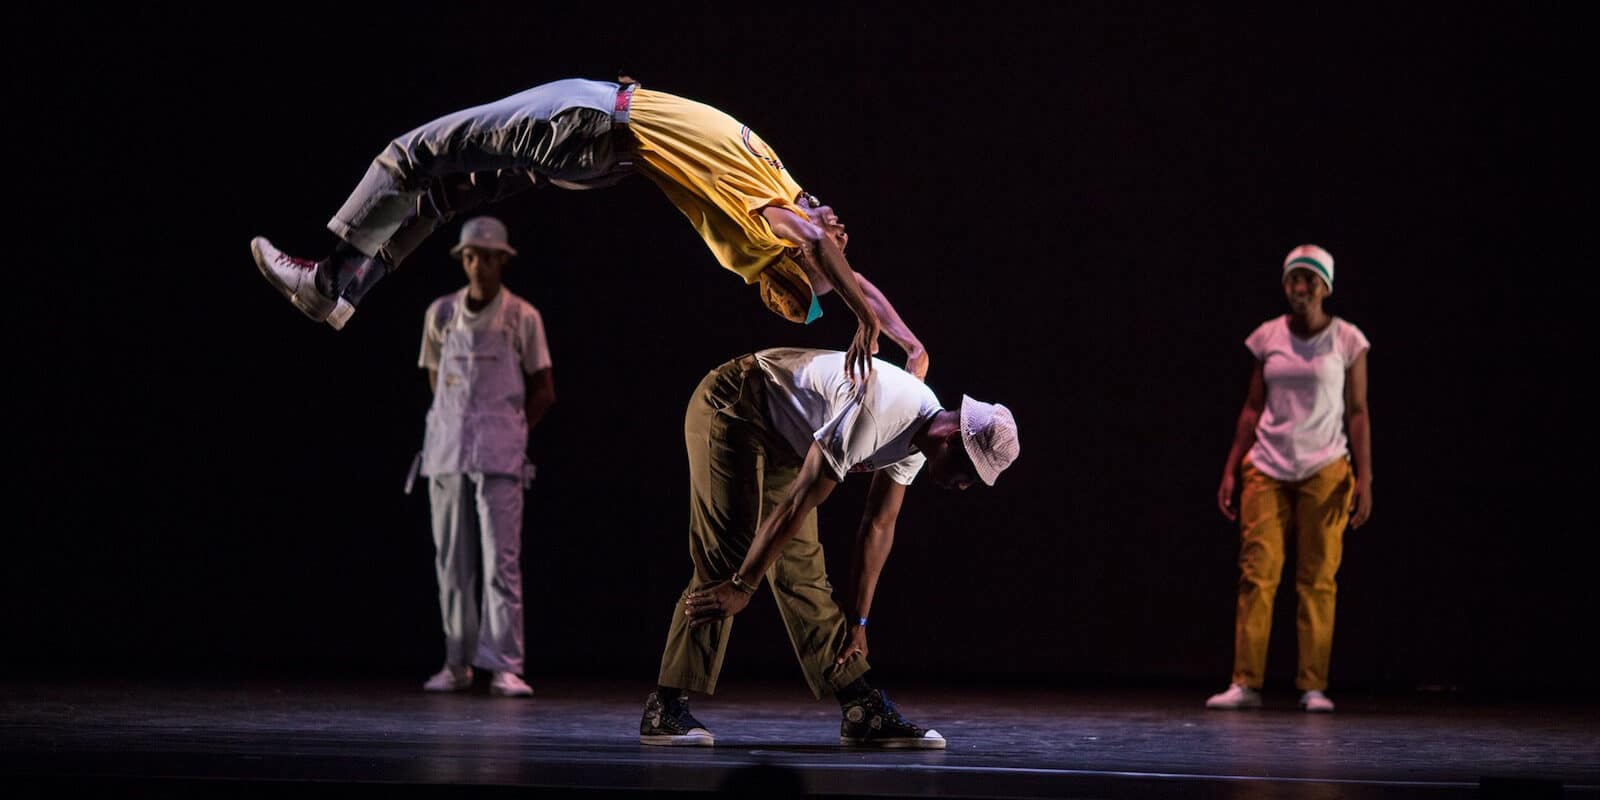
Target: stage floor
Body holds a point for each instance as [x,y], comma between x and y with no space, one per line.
[292,738]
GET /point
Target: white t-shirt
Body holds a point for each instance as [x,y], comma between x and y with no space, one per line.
[1301,430]
[809,399]
[519,317]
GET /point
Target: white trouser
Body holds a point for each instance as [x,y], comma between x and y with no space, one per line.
[477,536]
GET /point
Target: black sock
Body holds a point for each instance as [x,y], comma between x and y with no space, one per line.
[350,274]
[328,269]
[358,275]
[853,691]
[668,693]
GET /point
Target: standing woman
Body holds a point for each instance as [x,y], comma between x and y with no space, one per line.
[1303,423]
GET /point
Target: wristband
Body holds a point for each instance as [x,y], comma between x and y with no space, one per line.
[861,622]
[738,583]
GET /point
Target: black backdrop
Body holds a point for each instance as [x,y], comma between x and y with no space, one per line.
[1081,209]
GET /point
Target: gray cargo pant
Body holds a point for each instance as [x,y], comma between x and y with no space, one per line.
[739,469]
[396,205]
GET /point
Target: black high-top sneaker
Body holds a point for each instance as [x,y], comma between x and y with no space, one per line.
[295,278]
[670,723]
[873,721]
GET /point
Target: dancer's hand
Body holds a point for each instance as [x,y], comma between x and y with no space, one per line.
[858,360]
[1361,505]
[711,603]
[854,647]
[1225,497]
[917,363]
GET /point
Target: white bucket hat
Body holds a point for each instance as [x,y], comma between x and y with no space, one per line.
[990,435]
[485,232]
[1312,257]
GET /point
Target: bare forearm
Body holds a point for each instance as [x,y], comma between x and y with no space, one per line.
[538,405]
[808,490]
[1359,426]
[1244,437]
[893,327]
[873,543]
[830,259]
[541,391]
[773,535]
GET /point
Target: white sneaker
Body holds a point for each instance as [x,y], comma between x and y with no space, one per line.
[1237,696]
[1316,702]
[450,679]
[294,278]
[509,684]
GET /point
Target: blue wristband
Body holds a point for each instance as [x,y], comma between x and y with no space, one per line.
[861,622]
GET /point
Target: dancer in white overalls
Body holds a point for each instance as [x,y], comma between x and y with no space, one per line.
[489,366]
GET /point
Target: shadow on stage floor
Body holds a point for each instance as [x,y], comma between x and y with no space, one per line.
[384,738]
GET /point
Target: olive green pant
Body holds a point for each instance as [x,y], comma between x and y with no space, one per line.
[739,469]
[1316,510]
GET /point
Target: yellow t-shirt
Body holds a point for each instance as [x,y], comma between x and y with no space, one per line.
[719,174]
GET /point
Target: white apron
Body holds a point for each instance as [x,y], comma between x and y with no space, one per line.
[477,422]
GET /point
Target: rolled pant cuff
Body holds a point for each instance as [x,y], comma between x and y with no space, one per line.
[352,235]
[838,679]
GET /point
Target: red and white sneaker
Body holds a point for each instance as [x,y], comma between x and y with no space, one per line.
[294,278]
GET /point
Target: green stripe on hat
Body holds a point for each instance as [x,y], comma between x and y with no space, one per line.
[1315,265]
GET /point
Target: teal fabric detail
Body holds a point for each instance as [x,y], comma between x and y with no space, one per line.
[815,311]
[1315,265]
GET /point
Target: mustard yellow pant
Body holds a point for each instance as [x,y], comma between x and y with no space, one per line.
[1316,510]
[739,468]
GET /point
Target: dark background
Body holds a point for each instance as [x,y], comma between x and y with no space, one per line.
[1080,209]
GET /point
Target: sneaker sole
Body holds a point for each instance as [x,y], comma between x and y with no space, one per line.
[702,739]
[341,313]
[316,307]
[894,744]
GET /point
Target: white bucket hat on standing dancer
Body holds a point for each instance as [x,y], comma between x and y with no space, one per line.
[487,233]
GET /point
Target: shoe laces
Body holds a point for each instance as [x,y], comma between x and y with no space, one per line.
[287,260]
[889,711]
[678,710]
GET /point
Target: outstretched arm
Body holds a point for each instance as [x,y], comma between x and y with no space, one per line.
[724,599]
[824,254]
[874,540]
[896,329]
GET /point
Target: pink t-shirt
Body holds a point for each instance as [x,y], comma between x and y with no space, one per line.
[1301,430]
